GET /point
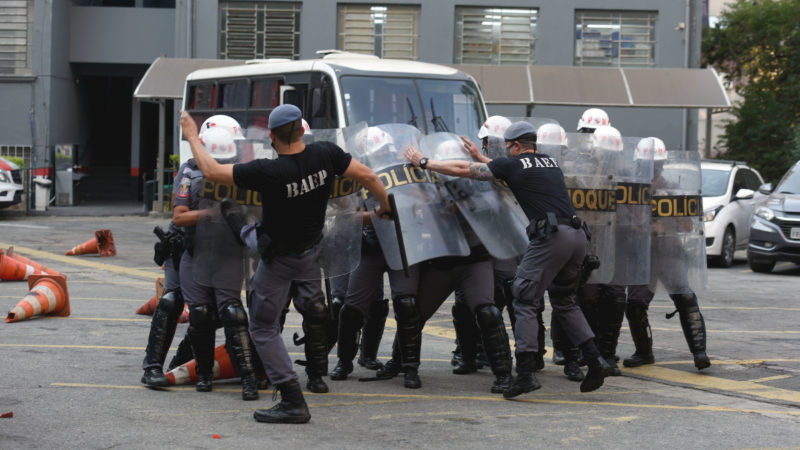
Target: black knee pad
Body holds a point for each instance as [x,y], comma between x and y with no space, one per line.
[405,308]
[350,315]
[685,302]
[316,312]
[461,312]
[234,315]
[379,309]
[202,318]
[488,316]
[171,302]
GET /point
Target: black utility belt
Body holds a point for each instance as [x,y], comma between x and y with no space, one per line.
[295,248]
[544,227]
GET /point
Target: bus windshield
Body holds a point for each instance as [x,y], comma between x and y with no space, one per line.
[447,105]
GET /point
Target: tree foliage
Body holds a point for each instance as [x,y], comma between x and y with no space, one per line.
[756,45]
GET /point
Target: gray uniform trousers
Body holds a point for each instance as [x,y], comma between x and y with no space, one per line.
[366,282]
[270,296]
[171,277]
[195,294]
[553,264]
[474,282]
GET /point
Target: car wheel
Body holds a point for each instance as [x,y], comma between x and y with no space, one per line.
[761,266]
[728,248]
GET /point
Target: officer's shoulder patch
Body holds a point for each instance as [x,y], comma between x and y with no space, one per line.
[183,191]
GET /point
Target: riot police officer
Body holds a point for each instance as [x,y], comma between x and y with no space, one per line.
[554,255]
[297,183]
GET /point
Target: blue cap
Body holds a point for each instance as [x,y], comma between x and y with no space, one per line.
[518,129]
[282,115]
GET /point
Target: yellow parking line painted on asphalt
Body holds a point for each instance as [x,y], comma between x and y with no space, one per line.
[485,398]
[708,382]
[78,261]
[765,379]
[91,299]
[88,347]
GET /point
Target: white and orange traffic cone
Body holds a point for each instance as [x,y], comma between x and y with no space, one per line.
[14,270]
[149,307]
[48,295]
[187,373]
[41,268]
[102,243]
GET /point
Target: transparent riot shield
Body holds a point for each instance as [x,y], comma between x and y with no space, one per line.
[341,237]
[430,227]
[633,195]
[591,178]
[678,252]
[488,211]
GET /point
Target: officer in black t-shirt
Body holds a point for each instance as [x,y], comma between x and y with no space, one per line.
[297,184]
[553,258]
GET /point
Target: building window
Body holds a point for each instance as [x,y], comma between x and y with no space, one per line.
[255,30]
[615,38]
[388,31]
[495,35]
[16,37]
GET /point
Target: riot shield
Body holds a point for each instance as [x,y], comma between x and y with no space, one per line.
[341,236]
[678,252]
[591,179]
[489,213]
[430,227]
[497,146]
[633,195]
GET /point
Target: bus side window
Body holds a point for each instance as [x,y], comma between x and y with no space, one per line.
[323,105]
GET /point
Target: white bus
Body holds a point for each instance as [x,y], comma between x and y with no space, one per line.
[337,90]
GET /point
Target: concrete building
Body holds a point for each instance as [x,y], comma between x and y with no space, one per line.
[69,68]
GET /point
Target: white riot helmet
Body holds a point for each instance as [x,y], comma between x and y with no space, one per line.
[222,121]
[650,147]
[607,138]
[450,149]
[551,134]
[306,128]
[375,140]
[219,143]
[494,126]
[593,118]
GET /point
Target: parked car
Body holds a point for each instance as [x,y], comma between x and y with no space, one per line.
[10,183]
[775,228]
[729,199]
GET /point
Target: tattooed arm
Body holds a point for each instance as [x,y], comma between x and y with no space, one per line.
[457,168]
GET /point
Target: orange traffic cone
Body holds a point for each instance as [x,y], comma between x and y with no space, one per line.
[41,268]
[187,373]
[102,243]
[48,295]
[14,270]
[149,308]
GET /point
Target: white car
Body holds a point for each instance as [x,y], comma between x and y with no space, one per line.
[730,195]
[10,183]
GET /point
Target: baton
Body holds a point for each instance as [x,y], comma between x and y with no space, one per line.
[399,230]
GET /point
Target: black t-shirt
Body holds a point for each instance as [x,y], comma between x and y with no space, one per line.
[294,189]
[537,183]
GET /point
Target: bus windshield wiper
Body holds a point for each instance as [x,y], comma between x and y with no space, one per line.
[437,121]
[413,120]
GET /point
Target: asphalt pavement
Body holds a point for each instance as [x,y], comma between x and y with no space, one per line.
[73,382]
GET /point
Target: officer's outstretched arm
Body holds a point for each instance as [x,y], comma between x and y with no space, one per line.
[212,170]
[456,168]
[371,181]
[182,216]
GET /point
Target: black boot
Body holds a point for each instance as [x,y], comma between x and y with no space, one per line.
[525,381]
[409,338]
[162,330]
[316,347]
[495,340]
[334,308]
[557,338]
[467,338]
[694,327]
[202,332]
[350,322]
[598,367]
[610,315]
[183,354]
[371,335]
[393,366]
[538,361]
[636,314]
[291,409]
[572,368]
[240,349]
[231,212]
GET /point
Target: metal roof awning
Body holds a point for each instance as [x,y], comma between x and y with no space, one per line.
[596,86]
[166,77]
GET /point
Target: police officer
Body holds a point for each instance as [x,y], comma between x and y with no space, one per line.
[554,255]
[298,184]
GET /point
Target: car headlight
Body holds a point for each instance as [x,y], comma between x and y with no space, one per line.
[5,176]
[711,214]
[765,213]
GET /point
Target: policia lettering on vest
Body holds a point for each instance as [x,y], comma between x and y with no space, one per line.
[297,183]
[553,257]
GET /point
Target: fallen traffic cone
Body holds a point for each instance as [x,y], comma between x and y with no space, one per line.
[187,373]
[41,268]
[48,295]
[14,270]
[102,243]
[149,308]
